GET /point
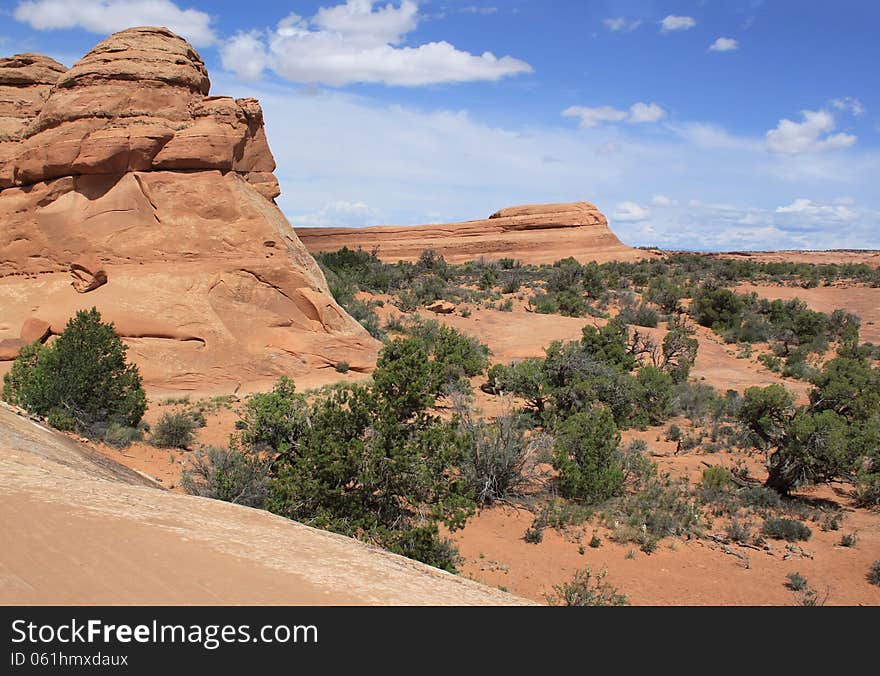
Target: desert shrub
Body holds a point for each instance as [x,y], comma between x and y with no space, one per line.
[84,373]
[586,456]
[867,493]
[739,531]
[498,458]
[456,356]
[816,448]
[273,420]
[655,395]
[716,481]
[61,420]
[372,462]
[848,540]
[760,497]
[874,573]
[342,367]
[560,514]
[526,379]
[121,436]
[571,304]
[786,529]
[230,474]
[658,508]
[641,316]
[765,412]
[175,430]
[364,313]
[695,400]
[796,582]
[534,534]
[665,293]
[717,308]
[585,589]
[544,304]
[673,433]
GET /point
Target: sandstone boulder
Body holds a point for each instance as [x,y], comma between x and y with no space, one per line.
[35,330]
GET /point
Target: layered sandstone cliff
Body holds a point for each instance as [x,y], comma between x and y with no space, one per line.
[536,233]
[125,186]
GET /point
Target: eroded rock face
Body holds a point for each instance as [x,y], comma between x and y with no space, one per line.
[130,189]
[138,102]
[535,233]
[25,82]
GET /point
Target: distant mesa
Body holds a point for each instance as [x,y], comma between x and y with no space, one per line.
[536,234]
[125,185]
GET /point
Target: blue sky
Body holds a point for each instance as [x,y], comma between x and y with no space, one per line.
[699,124]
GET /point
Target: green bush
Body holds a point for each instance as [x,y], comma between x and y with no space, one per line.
[796,582]
[84,373]
[273,421]
[585,589]
[121,436]
[342,367]
[717,479]
[497,459]
[372,463]
[232,475]
[760,497]
[587,458]
[175,430]
[786,529]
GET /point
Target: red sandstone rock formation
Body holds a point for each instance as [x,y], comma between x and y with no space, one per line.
[124,185]
[537,233]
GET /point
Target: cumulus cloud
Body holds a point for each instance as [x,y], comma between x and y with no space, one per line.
[638,113]
[724,45]
[109,16]
[621,24]
[677,23]
[356,42]
[814,211]
[410,165]
[812,134]
[630,212]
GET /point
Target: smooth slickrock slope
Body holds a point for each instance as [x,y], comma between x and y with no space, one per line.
[537,233]
[127,187]
[80,529]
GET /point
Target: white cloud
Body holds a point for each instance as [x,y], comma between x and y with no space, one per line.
[419,166]
[815,211]
[724,45]
[356,42]
[663,201]
[638,113]
[850,105]
[630,212]
[677,23]
[641,113]
[811,135]
[621,24]
[109,16]
[338,213]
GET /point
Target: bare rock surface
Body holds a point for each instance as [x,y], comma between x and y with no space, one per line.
[148,546]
